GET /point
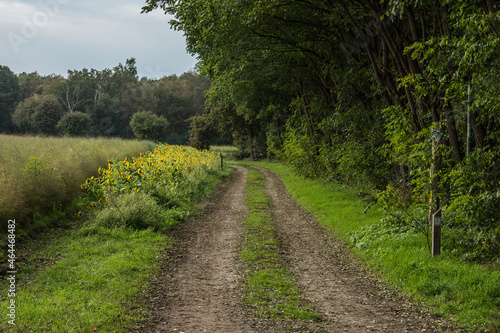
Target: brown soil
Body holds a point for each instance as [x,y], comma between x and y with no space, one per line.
[197,285]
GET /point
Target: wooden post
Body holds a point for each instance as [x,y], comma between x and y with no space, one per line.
[436,233]
[221,161]
[434,217]
[469,126]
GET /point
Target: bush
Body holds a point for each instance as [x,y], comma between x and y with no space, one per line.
[474,206]
[201,132]
[136,210]
[75,124]
[148,126]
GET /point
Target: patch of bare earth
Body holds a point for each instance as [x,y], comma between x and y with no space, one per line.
[196,286]
[347,294]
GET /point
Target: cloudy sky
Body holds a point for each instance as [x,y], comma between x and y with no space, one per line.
[52,36]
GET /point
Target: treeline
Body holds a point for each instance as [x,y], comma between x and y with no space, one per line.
[101,103]
[370,92]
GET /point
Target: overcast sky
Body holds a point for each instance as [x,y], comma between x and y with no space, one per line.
[52,36]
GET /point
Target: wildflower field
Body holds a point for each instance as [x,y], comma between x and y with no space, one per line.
[159,185]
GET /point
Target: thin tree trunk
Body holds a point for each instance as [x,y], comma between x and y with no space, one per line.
[452,133]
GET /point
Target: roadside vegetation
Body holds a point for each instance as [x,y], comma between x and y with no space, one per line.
[469,293]
[270,289]
[95,279]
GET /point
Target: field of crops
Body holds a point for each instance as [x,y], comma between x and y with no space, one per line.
[40,175]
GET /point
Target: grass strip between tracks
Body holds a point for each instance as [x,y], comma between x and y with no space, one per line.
[270,287]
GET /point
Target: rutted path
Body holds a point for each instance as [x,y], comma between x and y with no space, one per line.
[345,292]
[197,288]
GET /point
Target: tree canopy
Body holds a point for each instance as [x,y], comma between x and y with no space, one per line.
[373,92]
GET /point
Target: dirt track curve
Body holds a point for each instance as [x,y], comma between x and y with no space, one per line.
[197,287]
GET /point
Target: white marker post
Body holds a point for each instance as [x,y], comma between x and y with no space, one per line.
[436,233]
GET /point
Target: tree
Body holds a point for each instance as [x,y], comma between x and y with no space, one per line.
[201,132]
[148,126]
[9,96]
[38,114]
[23,112]
[354,90]
[47,114]
[75,124]
[105,117]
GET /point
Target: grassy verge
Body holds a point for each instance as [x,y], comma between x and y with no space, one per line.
[95,280]
[467,293]
[93,283]
[270,288]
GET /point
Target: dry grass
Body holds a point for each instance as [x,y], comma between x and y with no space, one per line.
[224,149]
[40,174]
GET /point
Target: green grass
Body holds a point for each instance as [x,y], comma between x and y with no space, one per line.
[270,287]
[467,293]
[94,282]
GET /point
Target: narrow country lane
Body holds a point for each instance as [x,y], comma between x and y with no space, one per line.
[198,286]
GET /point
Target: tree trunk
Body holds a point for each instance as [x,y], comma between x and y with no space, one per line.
[479,131]
[452,134]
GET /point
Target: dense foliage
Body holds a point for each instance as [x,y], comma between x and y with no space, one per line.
[53,105]
[370,92]
[148,126]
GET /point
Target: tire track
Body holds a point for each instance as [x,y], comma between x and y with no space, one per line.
[197,290]
[347,294]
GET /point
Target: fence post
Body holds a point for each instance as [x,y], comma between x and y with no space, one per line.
[221,161]
[436,233]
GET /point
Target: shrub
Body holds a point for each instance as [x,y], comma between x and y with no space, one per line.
[136,210]
[75,124]
[148,126]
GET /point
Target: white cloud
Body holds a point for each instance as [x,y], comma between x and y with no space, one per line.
[72,34]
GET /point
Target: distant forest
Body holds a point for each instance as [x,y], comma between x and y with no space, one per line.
[100,103]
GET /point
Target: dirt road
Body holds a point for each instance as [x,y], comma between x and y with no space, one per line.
[197,288]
